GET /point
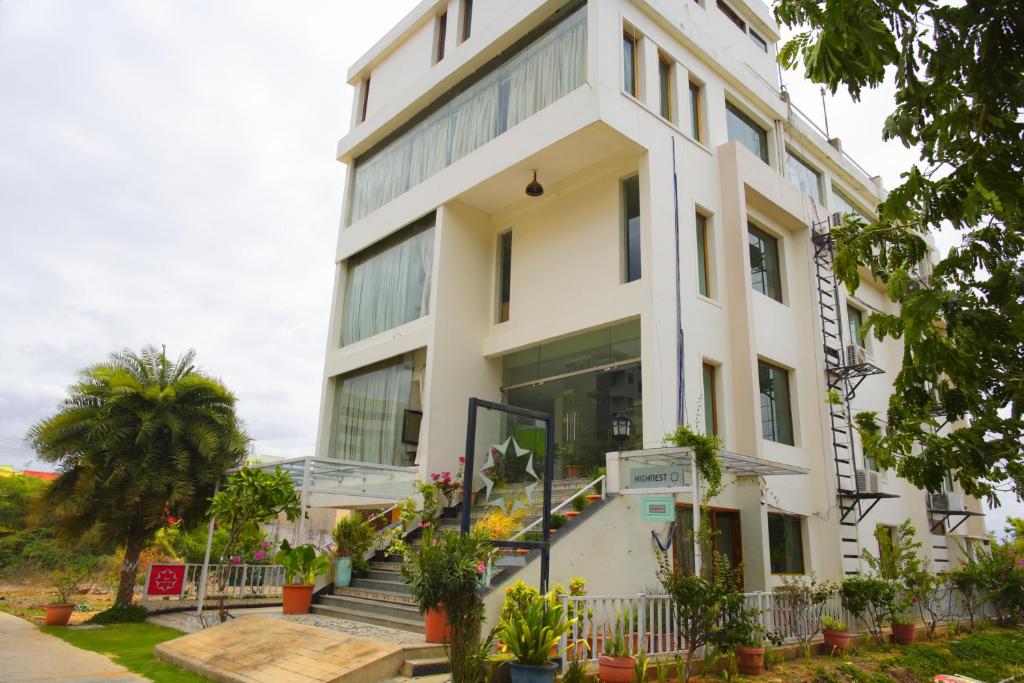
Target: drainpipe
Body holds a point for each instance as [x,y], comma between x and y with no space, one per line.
[681,381]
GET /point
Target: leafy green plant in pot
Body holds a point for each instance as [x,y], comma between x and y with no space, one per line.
[65,584]
[836,635]
[615,665]
[352,538]
[302,564]
[530,636]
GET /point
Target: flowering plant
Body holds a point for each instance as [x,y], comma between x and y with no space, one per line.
[447,485]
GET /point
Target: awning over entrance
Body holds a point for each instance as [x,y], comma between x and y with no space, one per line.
[750,466]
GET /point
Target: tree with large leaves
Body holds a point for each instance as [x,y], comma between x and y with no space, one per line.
[958,67]
[139,439]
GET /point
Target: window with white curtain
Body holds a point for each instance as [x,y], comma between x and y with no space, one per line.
[548,68]
[369,407]
[389,284]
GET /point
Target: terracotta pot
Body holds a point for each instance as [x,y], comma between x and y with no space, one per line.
[750,660]
[572,513]
[573,471]
[58,615]
[615,669]
[522,551]
[296,598]
[903,634]
[837,639]
[593,497]
[435,626]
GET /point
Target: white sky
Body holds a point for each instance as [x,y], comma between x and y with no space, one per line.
[167,175]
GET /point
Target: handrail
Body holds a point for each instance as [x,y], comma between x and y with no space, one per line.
[567,501]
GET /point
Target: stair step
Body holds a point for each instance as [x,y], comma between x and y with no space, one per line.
[413,625]
[426,666]
[383,574]
[375,595]
[391,610]
[393,584]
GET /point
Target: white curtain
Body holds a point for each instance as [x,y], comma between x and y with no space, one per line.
[474,117]
[381,179]
[389,288]
[429,147]
[368,410]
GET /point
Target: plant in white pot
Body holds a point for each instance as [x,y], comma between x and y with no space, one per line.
[531,637]
[353,536]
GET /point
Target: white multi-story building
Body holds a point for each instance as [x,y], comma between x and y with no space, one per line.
[671,254]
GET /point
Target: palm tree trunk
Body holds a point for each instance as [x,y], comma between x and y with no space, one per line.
[129,570]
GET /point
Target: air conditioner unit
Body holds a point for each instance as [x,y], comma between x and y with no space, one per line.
[855,355]
[938,501]
[867,481]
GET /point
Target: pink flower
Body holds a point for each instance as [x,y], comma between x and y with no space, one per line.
[435,476]
[423,525]
[235,559]
[265,545]
[480,567]
[259,555]
[462,460]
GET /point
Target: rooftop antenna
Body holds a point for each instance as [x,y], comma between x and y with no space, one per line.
[824,110]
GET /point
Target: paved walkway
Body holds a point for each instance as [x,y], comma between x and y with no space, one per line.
[28,654]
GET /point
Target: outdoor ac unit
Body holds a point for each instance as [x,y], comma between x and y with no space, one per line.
[949,502]
[867,481]
[855,355]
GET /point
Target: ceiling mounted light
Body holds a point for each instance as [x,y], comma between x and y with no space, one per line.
[534,189]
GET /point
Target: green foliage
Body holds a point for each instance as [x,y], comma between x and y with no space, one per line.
[576,672]
[640,665]
[558,521]
[579,503]
[959,77]
[615,644]
[805,597]
[899,563]
[138,439]
[833,624]
[120,614]
[705,451]
[18,496]
[992,655]
[530,636]
[518,597]
[353,537]
[302,563]
[869,599]
[66,582]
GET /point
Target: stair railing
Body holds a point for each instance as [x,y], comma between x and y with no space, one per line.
[561,506]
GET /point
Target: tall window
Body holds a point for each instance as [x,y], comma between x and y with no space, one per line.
[743,129]
[467,20]
[856,320]
[776,415]
[440,35]
[710,399]
[725,530]
[732,15]
[765,273]
[841,204]
[631,226]
[369,407]
[804,177]
[364,98]
[758,40]
[703,272]
[629,67]
[696,129]
[504,275]
[665,85]
[785,538]
[388,284]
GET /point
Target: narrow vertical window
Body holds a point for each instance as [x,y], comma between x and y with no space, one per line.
[765,272]
[786,541]
[504,275]
[856,321]
[364,98]
[442,34]
[631,226]
[629,63]
[665,86]
[776,411]
[695,124]
[467,20]
[710,400]
[703,274]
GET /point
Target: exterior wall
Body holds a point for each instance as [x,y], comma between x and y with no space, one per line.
[567,263]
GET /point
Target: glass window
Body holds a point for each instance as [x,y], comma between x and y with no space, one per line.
[442,31]
[495,98]
[631,226]
[369,410]
[841,204]
[629,63]
[765,272]
[710,400]
[725,529]
[696,131]
[804,177]
[758,40]
[776,418]
[785,538]
[665,86]
[732,15]
[388,284]
[856,319]
[703,274]
[743,129]
[467,19]
[364,99]
[504,275]
[596,348]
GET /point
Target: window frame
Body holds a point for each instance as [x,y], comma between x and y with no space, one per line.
[628,232]
[855,334]
[743,117]
[799,522]
[696,110]
[440,36]
[709,371]
[364,98]
[701,220]
[764,236]
[465,20]
[761,43]
[778,434]
[630,38]
[666,68]
[503,281]
[732,15]
[807,166]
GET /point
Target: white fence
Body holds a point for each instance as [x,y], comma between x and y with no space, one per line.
[243,581]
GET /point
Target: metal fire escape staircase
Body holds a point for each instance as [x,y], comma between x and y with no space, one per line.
[845,369]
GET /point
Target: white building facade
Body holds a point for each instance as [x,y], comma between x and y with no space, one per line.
[670,255]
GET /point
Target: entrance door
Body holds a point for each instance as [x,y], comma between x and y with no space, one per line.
[725,530]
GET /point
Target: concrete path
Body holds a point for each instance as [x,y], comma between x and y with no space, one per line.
[28,654]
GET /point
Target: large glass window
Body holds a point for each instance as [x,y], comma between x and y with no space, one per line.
[389,284]
[765,273]
[842,204]
[703,274]
[776,415]
[785,538]
[710,399]
[498,97]
[629,70]
[804,177]
[631,226]
[743,129]
[369,410]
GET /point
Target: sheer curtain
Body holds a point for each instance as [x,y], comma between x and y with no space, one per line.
[549,68]
[368,409]
[388,288]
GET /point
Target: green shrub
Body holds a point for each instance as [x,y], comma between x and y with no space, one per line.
[869,599]
[579,503]
[558,521]
[123,614]
[353,537]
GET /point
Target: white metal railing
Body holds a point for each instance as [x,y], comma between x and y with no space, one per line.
[562,506]
[243,581]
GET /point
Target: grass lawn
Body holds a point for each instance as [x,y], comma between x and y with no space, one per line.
[131,646]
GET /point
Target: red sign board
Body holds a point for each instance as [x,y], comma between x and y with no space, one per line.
[165,579]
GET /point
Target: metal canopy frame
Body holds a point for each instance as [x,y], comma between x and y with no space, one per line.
[947,514]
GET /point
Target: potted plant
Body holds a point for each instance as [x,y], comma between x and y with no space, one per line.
[352,538]
[558,521]
[529,636]
[302,564]
[615,665]
[836,635]
[903,630]
[65,584]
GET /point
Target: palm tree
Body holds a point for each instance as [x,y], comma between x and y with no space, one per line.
[139,439]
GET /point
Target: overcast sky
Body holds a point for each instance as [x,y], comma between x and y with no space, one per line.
[167,176]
